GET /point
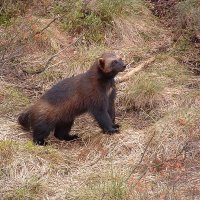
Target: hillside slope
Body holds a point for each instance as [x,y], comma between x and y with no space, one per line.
[157,153]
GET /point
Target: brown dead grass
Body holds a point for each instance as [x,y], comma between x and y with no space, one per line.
[101,166]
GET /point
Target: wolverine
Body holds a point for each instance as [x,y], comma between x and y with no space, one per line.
[93,91]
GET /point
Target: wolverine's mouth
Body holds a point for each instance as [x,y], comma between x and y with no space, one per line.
[123,67]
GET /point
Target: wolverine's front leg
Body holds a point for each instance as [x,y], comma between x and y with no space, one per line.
[111,108]
[104,120]
[111,111]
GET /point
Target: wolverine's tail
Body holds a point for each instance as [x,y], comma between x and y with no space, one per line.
[24,119]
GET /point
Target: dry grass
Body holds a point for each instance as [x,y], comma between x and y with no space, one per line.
[142,92]
[163,102]
[12,99]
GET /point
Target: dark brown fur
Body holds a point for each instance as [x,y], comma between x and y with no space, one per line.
[93,92]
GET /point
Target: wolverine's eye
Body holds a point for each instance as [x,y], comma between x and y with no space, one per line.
[114,62]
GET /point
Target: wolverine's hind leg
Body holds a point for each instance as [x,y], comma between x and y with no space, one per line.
[62,131]
[41,131]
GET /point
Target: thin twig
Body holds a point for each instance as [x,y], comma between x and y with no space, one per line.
[138,180]
[141,159]
[26,39]
[47,26]
[56,54]
[53,56]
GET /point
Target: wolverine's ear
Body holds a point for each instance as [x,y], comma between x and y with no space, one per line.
[101,63]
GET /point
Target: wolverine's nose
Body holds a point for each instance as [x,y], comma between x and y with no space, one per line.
[125,65]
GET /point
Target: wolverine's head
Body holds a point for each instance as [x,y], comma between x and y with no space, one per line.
[110,64]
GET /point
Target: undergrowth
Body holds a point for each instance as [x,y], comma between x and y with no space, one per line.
[13,99]
[162,101]
[94,19]
[99,186]
[142,92]
[188,19]
[12,9]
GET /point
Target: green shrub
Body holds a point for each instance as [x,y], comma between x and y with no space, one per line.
[189,16]
[91,19]
[10,9]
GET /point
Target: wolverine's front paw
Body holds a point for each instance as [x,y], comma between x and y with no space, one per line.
[111,131]
[116,126]
[71,137]
[40,142]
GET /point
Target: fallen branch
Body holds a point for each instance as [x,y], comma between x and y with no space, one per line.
[53,56]
[142,65]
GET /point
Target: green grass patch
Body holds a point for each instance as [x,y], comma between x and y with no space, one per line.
[84,59]
[142,92]
[10,10]
[170,70]
[189,16]
[182,45]
[13,99]
[51,76]
[7,151]
[109,186]
[5,20]
[31,189]
[17,96]
[93,18]
[48,153]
